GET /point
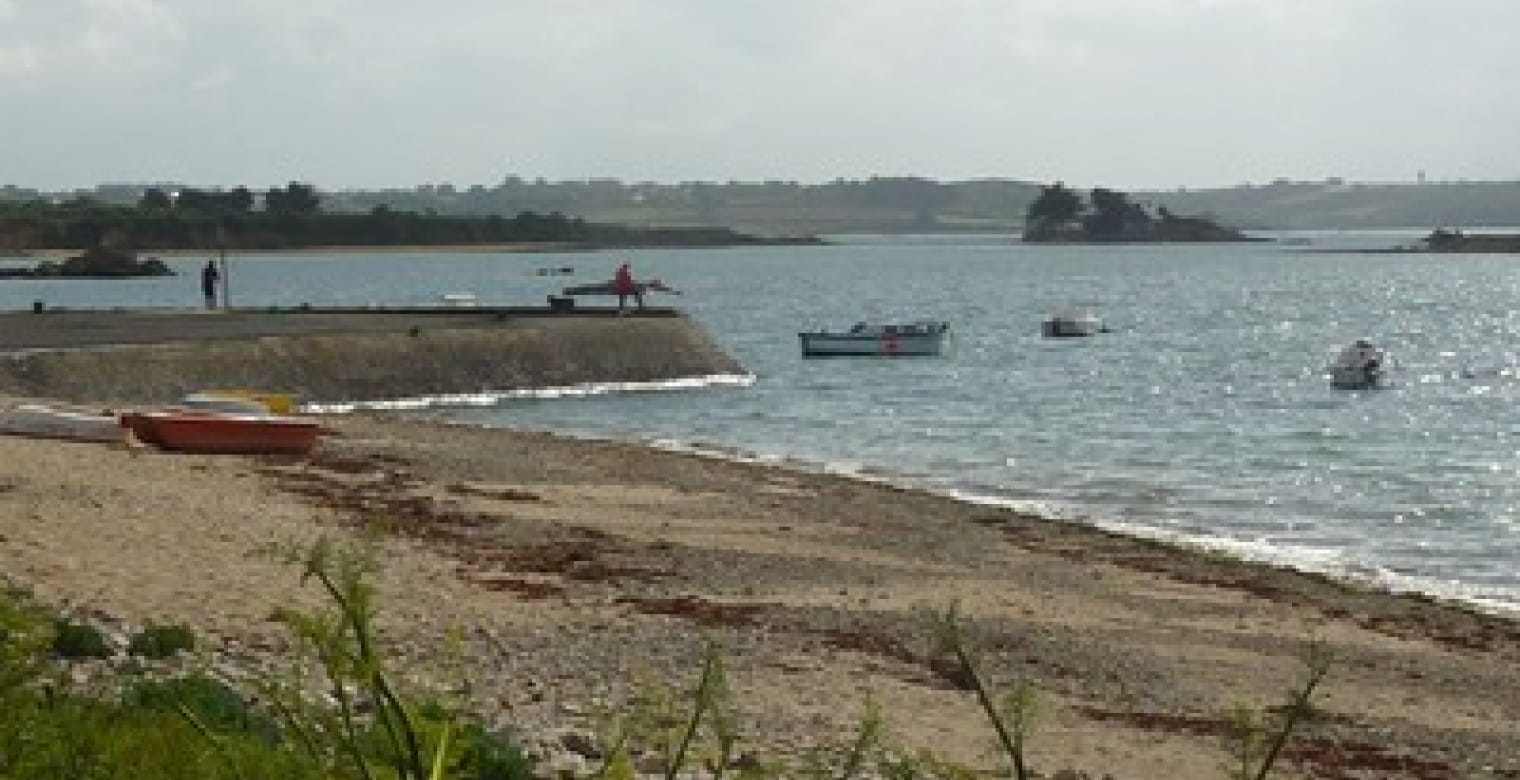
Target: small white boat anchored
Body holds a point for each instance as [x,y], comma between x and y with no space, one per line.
[459,300]
[1073,325]
[914,339]
[1360,366]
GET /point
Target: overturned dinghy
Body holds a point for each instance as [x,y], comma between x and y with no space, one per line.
[47,422]
[1360,366]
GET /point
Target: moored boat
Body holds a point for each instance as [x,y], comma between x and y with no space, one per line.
[186,430]
[915,339]
[1073,325]
[1360,366]
[459,300]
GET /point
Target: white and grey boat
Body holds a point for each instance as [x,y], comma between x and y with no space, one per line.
[1075,324]
[865,339]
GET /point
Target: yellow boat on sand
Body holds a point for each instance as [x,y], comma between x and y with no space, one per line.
[275,403]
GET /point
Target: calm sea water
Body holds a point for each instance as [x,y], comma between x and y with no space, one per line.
[1205,415]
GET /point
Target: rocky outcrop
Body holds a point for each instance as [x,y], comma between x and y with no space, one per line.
[1167,228]
[1060,215]
[97,263]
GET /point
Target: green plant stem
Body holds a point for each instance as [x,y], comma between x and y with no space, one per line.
[1012,743]
[870,729]
[613,751]
[710,673]
[1297,709]
[306,738]
[390,709]
[346,718]
[440,756]
[216,742]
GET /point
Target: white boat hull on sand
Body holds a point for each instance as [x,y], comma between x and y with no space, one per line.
[49,423]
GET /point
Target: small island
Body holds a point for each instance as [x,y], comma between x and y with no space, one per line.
[1059,215]
[94,263]
[1443,240]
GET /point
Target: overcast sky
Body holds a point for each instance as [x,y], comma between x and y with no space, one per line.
[1124,93]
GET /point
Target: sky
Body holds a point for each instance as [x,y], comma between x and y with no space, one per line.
[1135,94]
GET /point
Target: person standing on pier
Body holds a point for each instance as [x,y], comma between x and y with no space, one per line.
[624,285]
[209,277]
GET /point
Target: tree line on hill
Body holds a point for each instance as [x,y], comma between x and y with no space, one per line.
[770,208]
[874,204]
[910,203]
[293,217]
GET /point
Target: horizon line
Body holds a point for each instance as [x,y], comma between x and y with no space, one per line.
[1329,181]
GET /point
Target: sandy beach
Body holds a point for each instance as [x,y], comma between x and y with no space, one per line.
[561,576]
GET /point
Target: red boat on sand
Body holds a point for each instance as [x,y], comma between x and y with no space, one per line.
[212,432]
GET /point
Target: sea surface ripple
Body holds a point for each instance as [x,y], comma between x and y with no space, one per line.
[1206,415]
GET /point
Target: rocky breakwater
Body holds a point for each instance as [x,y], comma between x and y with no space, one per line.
[410,360]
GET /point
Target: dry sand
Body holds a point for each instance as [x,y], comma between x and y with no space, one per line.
[567,572]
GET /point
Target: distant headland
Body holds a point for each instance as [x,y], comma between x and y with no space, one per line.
[1059,215]
[873,205]
[1446,241]
[292,218]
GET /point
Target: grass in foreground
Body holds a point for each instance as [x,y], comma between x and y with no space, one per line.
[338,713]
[193,726]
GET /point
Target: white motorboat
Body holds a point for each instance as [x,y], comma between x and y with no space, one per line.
[864,339]
[1072,325]
[1360,366]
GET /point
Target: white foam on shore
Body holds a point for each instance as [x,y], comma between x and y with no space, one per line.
[1325,561]
[1330,562]
[494,397]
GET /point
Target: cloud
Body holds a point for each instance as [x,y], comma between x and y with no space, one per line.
[18,62]
[386,91]
[85,44]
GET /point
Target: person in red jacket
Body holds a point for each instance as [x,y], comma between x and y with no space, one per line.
[624,285]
